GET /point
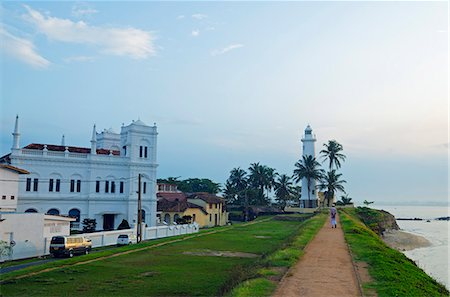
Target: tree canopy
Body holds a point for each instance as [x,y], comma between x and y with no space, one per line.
[192,185]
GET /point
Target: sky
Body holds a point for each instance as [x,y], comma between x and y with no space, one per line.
[233,83]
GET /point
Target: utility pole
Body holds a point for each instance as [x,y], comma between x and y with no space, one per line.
[139,220]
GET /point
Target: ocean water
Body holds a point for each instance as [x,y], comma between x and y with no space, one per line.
[434,260]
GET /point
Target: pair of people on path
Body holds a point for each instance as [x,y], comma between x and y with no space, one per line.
[333,212]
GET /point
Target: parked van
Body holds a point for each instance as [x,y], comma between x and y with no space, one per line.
[69,245]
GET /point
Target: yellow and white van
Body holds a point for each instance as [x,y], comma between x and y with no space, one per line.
[69,245]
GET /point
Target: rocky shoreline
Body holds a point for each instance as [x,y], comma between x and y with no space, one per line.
[404,241]
[385,225]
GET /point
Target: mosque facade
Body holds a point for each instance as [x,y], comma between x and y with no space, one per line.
[98,182]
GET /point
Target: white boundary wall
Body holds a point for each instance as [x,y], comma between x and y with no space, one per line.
[107,238]
[110,237]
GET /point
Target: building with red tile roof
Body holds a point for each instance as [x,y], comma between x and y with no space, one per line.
[98,182]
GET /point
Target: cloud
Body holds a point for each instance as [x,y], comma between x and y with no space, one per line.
[82,9]
[132,42]
[199,16]
[226,49]
[195,33]
[21,49]
[79,59]
[180,17]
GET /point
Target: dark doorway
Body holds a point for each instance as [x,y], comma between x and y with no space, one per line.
[215,220]
[108,222]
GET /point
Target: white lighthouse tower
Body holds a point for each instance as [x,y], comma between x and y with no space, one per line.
[309,200]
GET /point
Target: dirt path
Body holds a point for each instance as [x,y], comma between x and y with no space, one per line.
[326,268]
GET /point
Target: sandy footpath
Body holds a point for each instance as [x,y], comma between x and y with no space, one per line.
[404,241]
[326,268]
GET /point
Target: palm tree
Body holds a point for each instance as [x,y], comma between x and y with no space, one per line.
[229,193]
[307,168]
[238,181]
[344,200]
[258,178]
[283,189]
[332,183]
[270,176]
[333,154]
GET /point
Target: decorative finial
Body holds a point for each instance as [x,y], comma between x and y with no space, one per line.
[16,134]
[94,141]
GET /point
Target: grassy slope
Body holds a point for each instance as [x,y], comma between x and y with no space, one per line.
[393,273]
[165,270]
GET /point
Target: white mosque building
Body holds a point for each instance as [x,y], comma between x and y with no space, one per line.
[100,182]
[309,200]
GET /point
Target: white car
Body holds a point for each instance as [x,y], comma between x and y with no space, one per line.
[125,239]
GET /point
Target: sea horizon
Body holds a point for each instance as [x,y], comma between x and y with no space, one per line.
[444,203]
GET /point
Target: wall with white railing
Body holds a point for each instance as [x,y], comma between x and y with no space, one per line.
[106,238]
[99,239]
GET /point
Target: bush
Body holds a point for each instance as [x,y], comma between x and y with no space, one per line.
[124,225]
[89,225]
[184,220]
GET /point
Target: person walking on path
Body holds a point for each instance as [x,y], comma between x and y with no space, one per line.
[333,212]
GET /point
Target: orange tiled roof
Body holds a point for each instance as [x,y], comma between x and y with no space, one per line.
[13,168]
[171,196]
[71,149]
[177,206]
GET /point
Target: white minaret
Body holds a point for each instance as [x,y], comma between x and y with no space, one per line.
[63,140]
[309,149]
[16,135]
[94,141]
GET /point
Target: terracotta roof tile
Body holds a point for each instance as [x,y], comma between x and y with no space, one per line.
[176,206]
[171,196]
[71,149]
[13,168]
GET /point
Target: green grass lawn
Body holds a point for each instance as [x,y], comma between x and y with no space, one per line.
[392,272]
[164,270]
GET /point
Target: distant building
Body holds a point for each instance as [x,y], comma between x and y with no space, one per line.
[9,187]
[171,211]
[215,207]
[309,200]
[99,182]
[207,210]
[167,188]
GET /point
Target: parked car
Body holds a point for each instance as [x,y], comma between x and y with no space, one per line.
[69,246]
[125,239]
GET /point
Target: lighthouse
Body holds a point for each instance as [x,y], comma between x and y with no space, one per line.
[309,200]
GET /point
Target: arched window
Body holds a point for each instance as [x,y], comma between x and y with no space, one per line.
[75,213]
[167,218]
[31,210]
[143,215]
[176,217]
[53,211]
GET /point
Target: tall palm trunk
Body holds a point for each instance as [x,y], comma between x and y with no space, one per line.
[309,192]
[245,206]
